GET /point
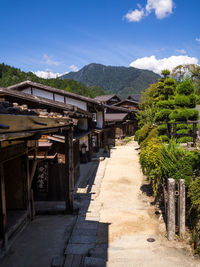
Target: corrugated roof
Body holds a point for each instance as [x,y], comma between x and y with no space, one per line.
[115,116]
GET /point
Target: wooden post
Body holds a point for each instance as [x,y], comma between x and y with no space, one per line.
[194,132]
[69,164]
[3,213]
[181,208]
[174,132]
[169,130]
[171,210]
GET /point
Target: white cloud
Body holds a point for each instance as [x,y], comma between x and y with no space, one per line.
[46,74]
[73,68]
[198,40]
[181,51]
[135,15]
[157,65]
[47,60]
[162,9]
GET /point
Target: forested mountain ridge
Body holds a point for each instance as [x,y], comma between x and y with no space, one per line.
[122,81]
[10,75]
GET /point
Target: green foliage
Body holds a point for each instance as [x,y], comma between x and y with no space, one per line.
[165,73]
[178,163]
[194,195]
[186,87]
[182,132]
[150,162]
[136,136]
[162,115]
[165,104]
[143,133]
[164,138]
[184,114]
[152,134]
[10,76]
[162,129]
[184,139]
[180,126]
[182,101]
[146,116]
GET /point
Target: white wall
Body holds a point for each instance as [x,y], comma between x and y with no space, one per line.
[83,124]
[100,119]
[59,98]
[42,93]
[77,103]
[27,90]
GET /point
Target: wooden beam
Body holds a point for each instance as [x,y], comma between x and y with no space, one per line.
[3,213]
[69,166]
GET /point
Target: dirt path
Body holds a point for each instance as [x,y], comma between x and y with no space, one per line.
[131,220]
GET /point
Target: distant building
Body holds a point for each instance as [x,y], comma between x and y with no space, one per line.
[108,99]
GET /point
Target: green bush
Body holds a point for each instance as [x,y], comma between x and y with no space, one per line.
[194,194]
[152,134]
[143,133]
[180,126]
[165,104]
[184,139]
[186,87]
[193,100]
[184,114]
[162,129]
[136,136]
[177,163]
[182,101]
[164,138]
[163,115]
[182,132]
[150,162]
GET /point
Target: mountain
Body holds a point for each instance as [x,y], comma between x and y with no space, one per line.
[10,75]
[121,81]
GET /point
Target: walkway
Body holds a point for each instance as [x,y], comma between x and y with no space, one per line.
[129,219]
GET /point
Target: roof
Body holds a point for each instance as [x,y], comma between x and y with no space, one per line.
[40,102]
[115,116]
[105,98]
[24,84]
[123,110]
[126,100]
[136,97]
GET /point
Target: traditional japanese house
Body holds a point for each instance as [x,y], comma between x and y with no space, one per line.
[135,97]
[89,131]
[20,130]
[127,103]
[124,119]
[108,99]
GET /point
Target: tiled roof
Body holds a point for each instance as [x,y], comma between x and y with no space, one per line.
[115,116]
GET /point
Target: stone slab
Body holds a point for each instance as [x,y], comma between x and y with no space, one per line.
[81,249]
[82,239]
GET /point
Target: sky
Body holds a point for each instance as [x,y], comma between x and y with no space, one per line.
[52,37]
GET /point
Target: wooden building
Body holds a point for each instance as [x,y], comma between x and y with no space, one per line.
[90,129]
[20,130]
[124,119]
[108,99]
[127,103]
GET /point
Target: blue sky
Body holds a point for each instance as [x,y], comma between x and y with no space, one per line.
[65,35]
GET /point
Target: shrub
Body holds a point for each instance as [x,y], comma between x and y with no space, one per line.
[184,139]
[162,129]
[182,101]
[152,134]
[144,131]
[165,104]
[164,138]
[180,126]
[194,194]
[137,135]
[176,162]
[193,100]
[184,114]
[186,87]
[182,132]
[163,115]
[150,162]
